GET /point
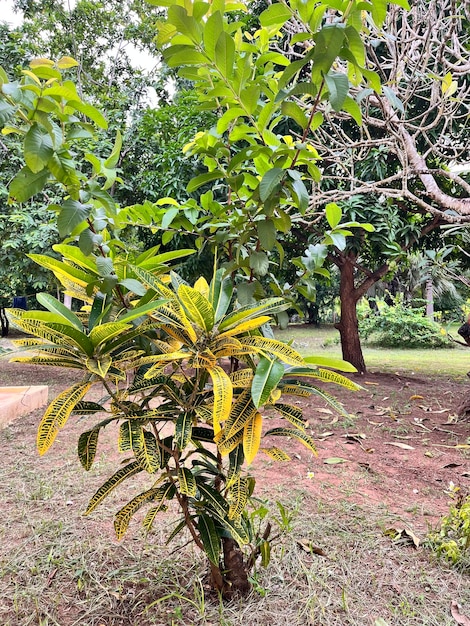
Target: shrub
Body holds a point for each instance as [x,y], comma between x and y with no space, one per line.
[452,539]
[193,383]
[401,326]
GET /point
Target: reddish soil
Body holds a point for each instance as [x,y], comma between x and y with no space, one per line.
[401,447]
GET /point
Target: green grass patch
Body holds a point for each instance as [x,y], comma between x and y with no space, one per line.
[324,340]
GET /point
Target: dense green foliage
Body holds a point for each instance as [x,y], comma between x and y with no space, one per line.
[402,326]
[452,539]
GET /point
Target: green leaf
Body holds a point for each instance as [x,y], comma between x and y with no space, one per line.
[275,15]
[333,214]
[55,306]
[27,184]
[393,99]
[72,213]
[212,29]
[202,179]
[300,192]
[210,538]
[169,216]
[292,110]
[327,361]
[267,233]
[38,148]
[113,159]
[140,311]
[354,110]
[259,263]
[186,24]
[134,286]
[338,86]
[220,293]
[379,11]
[270,182]
[6,112]
[267,376]
[225,54]
[328,43]
[90,111]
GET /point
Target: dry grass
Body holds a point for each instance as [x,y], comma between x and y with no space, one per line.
[58,568]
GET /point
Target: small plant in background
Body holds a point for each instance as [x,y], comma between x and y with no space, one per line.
[401,326]
[452,539]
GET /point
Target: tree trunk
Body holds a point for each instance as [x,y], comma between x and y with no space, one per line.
[348,325]
[429,299]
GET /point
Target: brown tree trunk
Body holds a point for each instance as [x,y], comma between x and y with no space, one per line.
[235,575]
[350,294]
[348,325]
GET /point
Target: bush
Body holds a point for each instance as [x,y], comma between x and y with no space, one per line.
[452,539]
[400,326]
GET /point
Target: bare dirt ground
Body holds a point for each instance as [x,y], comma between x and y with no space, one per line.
[401,446]
[395,454]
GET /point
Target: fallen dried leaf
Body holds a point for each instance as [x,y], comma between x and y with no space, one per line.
[325,435]
[416,397]
[369,383]
[429,454]
[354,436]
[402,535]
[334,460]
[451,465]
[397,444]
[457,615]
[306,546]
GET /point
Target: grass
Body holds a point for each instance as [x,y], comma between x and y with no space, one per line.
[58,569]
[454,362]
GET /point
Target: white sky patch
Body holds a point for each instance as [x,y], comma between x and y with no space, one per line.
[7,14]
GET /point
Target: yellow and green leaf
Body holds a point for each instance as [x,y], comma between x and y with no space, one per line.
[187,482]
[297,434]
[238,496]
[223,391]
[87,445]
[252,437]
[280,350]
[148,453]
[197,307]
[57,415]
[116,479]
[276,453]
